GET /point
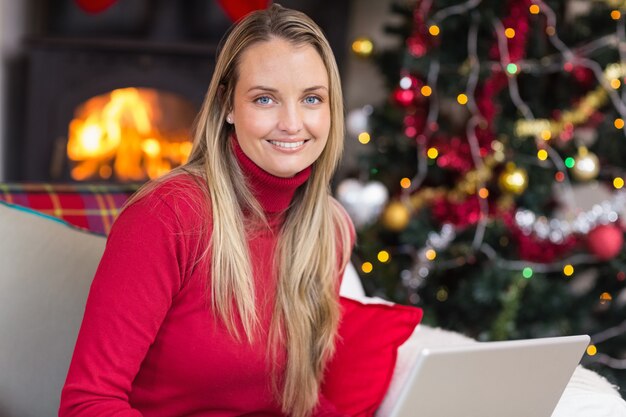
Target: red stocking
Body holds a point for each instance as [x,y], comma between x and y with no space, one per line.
[95,6]
[236,9]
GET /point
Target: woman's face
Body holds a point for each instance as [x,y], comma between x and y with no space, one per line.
[281,109]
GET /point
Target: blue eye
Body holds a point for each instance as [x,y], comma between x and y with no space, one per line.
[312,100]
[264,100]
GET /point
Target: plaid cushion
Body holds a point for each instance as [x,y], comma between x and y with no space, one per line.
[89,206]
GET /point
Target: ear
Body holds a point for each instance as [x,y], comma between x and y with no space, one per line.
[221,94]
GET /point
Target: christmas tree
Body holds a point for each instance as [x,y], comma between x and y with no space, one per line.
[490,186]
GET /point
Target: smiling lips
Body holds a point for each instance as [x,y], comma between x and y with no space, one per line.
[287,145]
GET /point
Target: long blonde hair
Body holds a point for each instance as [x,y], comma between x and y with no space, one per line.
[314,241]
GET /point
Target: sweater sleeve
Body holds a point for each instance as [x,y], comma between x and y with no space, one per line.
[141,270]
[326,409]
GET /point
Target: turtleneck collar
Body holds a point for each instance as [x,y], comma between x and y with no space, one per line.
[273,193]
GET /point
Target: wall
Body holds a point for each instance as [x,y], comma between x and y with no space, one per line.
[13,26]
[362,82]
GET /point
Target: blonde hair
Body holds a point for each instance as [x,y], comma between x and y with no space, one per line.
[314,241]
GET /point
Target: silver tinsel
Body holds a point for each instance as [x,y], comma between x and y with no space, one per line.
[421,267]
[557,230]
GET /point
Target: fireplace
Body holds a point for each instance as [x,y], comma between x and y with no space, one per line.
[159,51]
[88,74]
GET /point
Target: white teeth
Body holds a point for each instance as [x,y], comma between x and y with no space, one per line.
[287,145]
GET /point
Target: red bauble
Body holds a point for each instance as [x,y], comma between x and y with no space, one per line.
[95,6]
[403,97]
[417,46]
[605,241]
[584,76]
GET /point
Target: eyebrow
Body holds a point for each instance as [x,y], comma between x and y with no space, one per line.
[273,90]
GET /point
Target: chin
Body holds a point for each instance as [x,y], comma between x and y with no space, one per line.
[284,174]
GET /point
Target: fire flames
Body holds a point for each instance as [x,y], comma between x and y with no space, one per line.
[131,133]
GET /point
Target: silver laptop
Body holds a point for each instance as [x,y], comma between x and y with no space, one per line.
[521,378]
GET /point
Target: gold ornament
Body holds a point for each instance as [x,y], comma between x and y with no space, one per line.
[513,179]
[363,47]
[396,216]
[586,166]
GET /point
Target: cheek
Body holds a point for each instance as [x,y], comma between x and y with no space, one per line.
[319,123]
[253,122]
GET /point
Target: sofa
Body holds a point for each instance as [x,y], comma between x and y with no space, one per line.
[52,237]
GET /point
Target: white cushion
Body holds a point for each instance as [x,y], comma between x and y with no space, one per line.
[351,284]
[46,268]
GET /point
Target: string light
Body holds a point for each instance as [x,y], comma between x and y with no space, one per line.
[430,254]
[426,91]
[483,193]
[509,33]
[615,83]
[615,14]
[592,350]
[442,294]
[433,30]
[383,256]
[570,162]
[527,272]
[406,83]
[542,154]
[546,135]
[618,123]
[618,183]
[568,270]
[367,267]
[362,47]
[534,9]
[405,183]
[432,153]
[605,297]
[364,138]
[512,68]
[461,99]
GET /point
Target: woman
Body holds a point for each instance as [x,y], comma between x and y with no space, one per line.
[217,294]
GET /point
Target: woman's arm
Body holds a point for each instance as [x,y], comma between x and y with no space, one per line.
[140,272]
[326,409]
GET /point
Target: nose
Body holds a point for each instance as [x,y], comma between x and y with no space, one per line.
[290,119]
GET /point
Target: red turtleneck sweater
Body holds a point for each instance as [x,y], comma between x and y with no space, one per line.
[149,344]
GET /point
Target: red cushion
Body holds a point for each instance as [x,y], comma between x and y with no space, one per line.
[359,374]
